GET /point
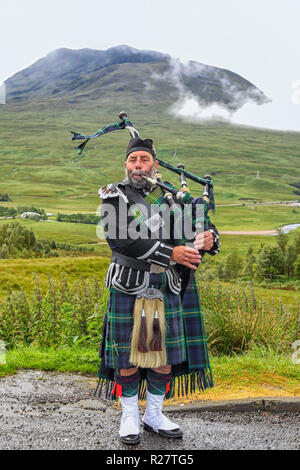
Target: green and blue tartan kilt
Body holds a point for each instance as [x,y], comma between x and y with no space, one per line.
[186,344]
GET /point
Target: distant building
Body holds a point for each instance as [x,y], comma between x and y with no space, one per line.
[31,215]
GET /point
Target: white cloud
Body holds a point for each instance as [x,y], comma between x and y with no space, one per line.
[190,109]
[278,114]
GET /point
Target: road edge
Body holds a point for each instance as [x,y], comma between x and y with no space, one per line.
[273,404]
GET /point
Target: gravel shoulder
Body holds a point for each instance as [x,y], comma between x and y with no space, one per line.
[49,410]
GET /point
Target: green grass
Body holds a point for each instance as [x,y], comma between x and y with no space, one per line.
[255,362]
[75,359]
[20,274]
[74,234]
[229,218]
[254,217]
[38,168]
[260,372]
[240,243]
[86,360]
[38,164]
[55,203]
[290,298]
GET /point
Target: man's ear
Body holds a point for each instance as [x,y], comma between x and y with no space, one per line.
[156,164]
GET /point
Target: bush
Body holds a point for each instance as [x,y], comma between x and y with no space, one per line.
[18,242]
[7,211]
[236,320]
[4,251]
[78,218]
[16,238]
[4,197]
[297,285]
[61,316]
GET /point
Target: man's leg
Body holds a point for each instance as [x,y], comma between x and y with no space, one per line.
[127,372]
[158,384]
[126,388]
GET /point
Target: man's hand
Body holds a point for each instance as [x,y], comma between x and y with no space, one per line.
[186,256]
[204,241]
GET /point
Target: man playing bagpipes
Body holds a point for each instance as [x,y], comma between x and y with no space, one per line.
[153,341]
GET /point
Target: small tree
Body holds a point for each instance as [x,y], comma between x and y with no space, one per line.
[296,243]
[250,261]
[270,262]
[231,267]
[282,240]
[289,260]
[297,267]
[4,252]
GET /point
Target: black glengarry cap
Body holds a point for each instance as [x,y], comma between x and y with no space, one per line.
[140,144]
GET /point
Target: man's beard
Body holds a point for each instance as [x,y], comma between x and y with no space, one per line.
[140,183]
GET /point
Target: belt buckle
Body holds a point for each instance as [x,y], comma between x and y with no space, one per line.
[154,269]
[150,293]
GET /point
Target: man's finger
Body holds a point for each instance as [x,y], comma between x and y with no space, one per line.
[191,266]
[198,246]
[193,256]
[199,236]
[190,250]
[205,234]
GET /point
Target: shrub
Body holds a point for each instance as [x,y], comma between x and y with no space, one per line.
[4,197]
[236,320]
[59,316]
[18,242]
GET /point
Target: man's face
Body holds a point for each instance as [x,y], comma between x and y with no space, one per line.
[137,164]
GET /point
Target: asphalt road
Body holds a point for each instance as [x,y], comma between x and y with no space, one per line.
[41,410]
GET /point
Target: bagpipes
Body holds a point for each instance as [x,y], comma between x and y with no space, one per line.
[148,347]
[182,195]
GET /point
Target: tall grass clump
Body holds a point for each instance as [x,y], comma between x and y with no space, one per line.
[64,314]
[236,320]
[60,315]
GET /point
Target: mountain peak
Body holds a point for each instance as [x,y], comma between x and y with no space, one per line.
[125,69]
[123,48]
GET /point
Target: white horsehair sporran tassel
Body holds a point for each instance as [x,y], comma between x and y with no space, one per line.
[148,348]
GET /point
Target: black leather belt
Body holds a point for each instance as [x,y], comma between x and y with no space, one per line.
[129,262]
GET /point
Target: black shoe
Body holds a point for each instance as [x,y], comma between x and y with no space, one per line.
[131,439]
[170,434]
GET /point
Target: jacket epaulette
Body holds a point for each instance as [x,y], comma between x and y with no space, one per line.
[112,190]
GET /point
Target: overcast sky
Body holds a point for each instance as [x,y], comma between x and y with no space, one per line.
[258,39]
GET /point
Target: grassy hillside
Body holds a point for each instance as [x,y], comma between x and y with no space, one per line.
[20,273]
[38,167]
